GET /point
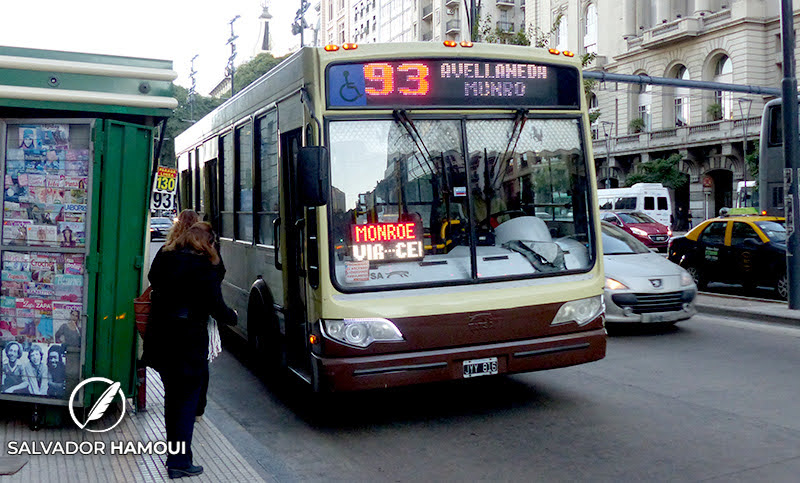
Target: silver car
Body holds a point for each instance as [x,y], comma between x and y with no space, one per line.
[642,286]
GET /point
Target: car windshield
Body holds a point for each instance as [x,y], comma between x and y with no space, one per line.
[410,206]
[774,231]
[633,218]
[618,242]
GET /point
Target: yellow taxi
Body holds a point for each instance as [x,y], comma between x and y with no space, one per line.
[739,248]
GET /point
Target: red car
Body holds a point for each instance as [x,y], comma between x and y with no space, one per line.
[647,230]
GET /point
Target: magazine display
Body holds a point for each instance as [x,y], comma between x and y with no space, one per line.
[42,292]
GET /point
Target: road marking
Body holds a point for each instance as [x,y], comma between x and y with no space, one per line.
[776,328]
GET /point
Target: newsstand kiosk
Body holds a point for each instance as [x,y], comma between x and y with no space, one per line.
[77,142]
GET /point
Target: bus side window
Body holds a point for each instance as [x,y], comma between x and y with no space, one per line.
[649,203]
[662,203]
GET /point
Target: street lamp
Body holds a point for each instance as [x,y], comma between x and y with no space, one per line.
[607,126]
[745,101]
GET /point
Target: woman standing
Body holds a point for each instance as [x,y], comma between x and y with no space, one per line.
[186,290]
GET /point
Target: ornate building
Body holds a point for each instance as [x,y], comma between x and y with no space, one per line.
[731,41]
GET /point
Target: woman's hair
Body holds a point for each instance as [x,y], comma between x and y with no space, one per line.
[186,219]
[199,238]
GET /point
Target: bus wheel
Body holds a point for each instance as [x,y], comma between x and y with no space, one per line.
[783,287]
[266,340]
[699,280]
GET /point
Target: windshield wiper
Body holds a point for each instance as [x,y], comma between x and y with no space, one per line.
[516,132]
[400,117]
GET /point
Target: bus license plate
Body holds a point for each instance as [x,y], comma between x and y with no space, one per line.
[480,367]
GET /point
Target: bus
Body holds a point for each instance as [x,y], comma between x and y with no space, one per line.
[377,207]
[770,160]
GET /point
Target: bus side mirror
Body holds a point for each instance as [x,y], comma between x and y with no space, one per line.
[312,175]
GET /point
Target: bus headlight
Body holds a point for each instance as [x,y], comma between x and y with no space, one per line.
[580,311]
[362,332]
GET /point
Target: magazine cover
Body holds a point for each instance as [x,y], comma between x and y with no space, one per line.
[42,235]
[13,369]
[71,234]
[36,373]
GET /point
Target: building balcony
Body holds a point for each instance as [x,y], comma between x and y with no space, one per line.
[505,3]
[716,132]
[505,27]
[670,32]
[427,12]
[452,3]
[452,26]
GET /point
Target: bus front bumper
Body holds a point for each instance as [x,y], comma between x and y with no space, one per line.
[372,372]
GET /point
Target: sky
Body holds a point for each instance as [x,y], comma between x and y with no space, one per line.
[175,30]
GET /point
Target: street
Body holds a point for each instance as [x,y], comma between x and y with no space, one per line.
[711,399]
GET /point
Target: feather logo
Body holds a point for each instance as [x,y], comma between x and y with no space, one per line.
[101,406]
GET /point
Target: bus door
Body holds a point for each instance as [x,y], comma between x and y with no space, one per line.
[210,193]
[293,262]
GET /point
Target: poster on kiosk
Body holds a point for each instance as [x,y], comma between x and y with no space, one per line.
[46,172]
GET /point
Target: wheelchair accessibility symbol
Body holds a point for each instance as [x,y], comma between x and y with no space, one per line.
[346,86]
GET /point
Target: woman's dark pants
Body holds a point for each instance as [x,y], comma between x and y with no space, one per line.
[182,388]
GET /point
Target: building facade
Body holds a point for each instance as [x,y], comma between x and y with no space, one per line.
[731,41]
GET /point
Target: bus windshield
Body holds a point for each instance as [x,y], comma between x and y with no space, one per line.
[410,207]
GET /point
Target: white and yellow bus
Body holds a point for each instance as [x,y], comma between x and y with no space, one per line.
[393,214]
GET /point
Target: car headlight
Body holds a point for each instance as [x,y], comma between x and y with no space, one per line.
[612,284]
[580,311]
[362,332]
[686,279]
[638,231]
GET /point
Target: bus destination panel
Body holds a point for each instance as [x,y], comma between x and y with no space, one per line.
[433,83]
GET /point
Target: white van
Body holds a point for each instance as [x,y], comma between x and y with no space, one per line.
[652,199]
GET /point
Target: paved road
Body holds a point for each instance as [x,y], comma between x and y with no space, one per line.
[713,399]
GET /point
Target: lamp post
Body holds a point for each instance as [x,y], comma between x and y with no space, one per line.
[230,69]
[745,101]
[608,126]
[193,89]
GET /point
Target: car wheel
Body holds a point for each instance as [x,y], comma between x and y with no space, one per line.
[783,287]
[699,280]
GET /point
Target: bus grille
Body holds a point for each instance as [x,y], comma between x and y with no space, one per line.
[645,303]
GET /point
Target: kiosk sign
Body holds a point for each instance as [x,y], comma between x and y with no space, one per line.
[164,189]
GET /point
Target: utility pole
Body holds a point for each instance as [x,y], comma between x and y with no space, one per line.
[192,90]
[230,69]
[300,24]
[791,179]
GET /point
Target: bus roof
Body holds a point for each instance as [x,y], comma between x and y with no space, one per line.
[304,68]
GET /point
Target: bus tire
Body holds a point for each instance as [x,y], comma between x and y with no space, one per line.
[266,341]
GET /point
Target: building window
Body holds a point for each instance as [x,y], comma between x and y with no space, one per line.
[562,33]
[643,103]
[723,72]
[590,30]
[681,101]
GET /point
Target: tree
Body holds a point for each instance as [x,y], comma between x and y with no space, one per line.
[186,115]
[181,119]
[253,69]
[664,171]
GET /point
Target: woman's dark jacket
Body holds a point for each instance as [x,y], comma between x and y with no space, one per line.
[186,290]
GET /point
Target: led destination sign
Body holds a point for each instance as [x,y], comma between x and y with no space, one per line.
[386,241]
[449,82]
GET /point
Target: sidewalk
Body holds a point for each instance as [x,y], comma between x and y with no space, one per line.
[213,451]
[762,310]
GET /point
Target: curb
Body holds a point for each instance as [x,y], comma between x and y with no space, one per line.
[777,315]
